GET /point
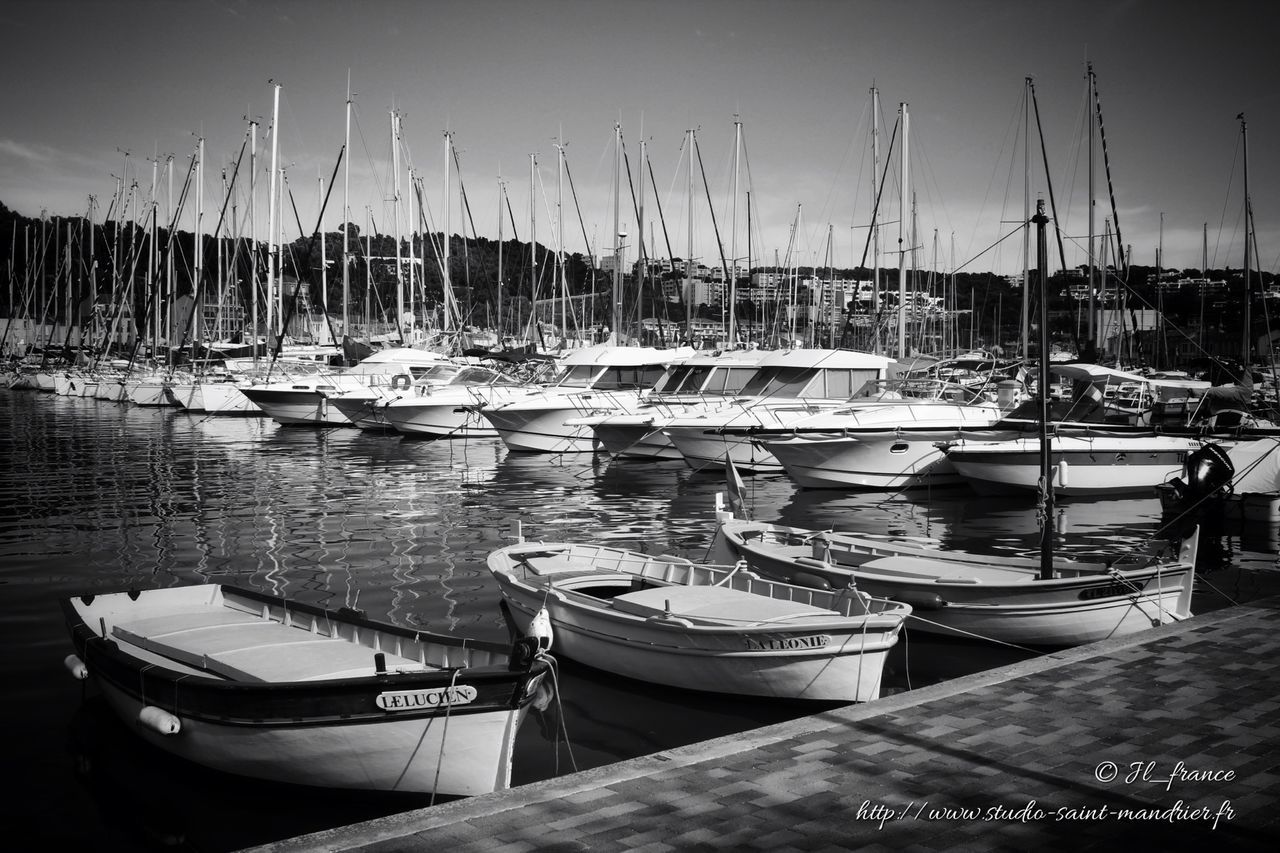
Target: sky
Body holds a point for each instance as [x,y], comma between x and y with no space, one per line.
[778,94]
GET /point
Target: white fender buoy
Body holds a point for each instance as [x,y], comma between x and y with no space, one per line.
[76,667]
[1062,472]
[159,720]
[540,627]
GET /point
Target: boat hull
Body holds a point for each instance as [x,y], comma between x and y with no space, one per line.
[643,439]
[1081,466]
[223,398]
[301,406]
[882,462]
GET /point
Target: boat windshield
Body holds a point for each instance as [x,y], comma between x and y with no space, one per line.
[704,379]
[808,382]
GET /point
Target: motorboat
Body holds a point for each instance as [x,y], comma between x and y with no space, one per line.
[307,400]
[596,380]
[789,385]
[706,381]
[452,409]
[894,445]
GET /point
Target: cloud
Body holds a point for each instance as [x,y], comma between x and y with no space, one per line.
[11,148]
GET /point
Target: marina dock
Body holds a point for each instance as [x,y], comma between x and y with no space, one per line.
[1168,739]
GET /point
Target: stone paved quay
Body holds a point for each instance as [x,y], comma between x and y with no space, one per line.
[1168,739]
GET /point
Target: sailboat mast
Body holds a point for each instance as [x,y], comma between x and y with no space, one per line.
[1046,458]
[902,224]
[502,195]
[1160,344]
[324,258]
[831,285]
[688,266]
[617,233]
[533,239]
[1026,217]
[1204,278]
[197,308]
[733,233]
[1245,348]
[395,183]
[564,287]
[1092,332]
[875,221]
[253,233]
[444,238]
[346,217]
[153,286]
[271,213]
[642,256]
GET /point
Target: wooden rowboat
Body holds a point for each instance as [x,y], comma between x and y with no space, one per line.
[721,629]
[262,686]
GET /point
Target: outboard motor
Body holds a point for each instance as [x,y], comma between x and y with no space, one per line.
[1207,470]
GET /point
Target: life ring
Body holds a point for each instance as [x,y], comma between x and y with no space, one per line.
[401,380]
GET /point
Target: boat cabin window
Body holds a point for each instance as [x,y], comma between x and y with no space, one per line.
[677,379]
[577,376]
[729,380]
[435,373]
[618,378]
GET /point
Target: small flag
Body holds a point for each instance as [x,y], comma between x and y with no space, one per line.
[737,491]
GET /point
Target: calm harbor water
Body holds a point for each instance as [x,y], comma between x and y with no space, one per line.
[98,496]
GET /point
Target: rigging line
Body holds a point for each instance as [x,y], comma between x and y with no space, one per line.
[574,194]
[882,309]
[1017,230]
[635,204]
[715,227]
[364,143]
[466,208]
[658,201]
[1226,200]
[1044,153]
[1071,175]
[1106,162]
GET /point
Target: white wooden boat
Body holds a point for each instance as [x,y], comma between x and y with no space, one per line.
[721,629]
[261,686]
[981,597]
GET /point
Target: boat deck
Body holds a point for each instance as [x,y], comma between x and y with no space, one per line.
[245,646]
[717,606]
[945,571]
[1165,739]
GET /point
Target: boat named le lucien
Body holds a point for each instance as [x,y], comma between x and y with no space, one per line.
[262,686]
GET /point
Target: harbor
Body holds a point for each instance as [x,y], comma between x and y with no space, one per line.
[673,426]
[109,496]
